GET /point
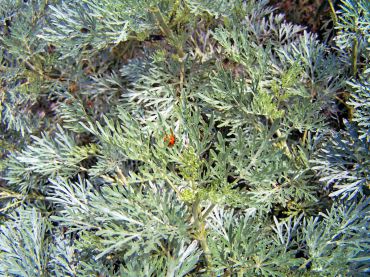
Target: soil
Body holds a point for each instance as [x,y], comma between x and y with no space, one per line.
[310,13]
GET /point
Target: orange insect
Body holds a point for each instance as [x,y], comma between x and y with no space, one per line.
[171,139]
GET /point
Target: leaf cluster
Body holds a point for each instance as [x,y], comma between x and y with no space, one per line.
[257,181]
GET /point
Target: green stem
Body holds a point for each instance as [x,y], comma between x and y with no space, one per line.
[208,211]
[174,9]
[161,23]
[200,231]
[166,30]
[179,49]
[182,75]
[333,14]
[304,137]
[354,56]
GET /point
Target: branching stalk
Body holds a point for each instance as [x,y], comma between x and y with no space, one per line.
[200,230]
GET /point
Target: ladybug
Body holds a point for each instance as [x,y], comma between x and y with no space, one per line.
[171,139]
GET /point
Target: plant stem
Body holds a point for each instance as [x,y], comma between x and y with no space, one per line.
[200,230]
[304,137]
[354,56]
[333,14]
[208,211]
